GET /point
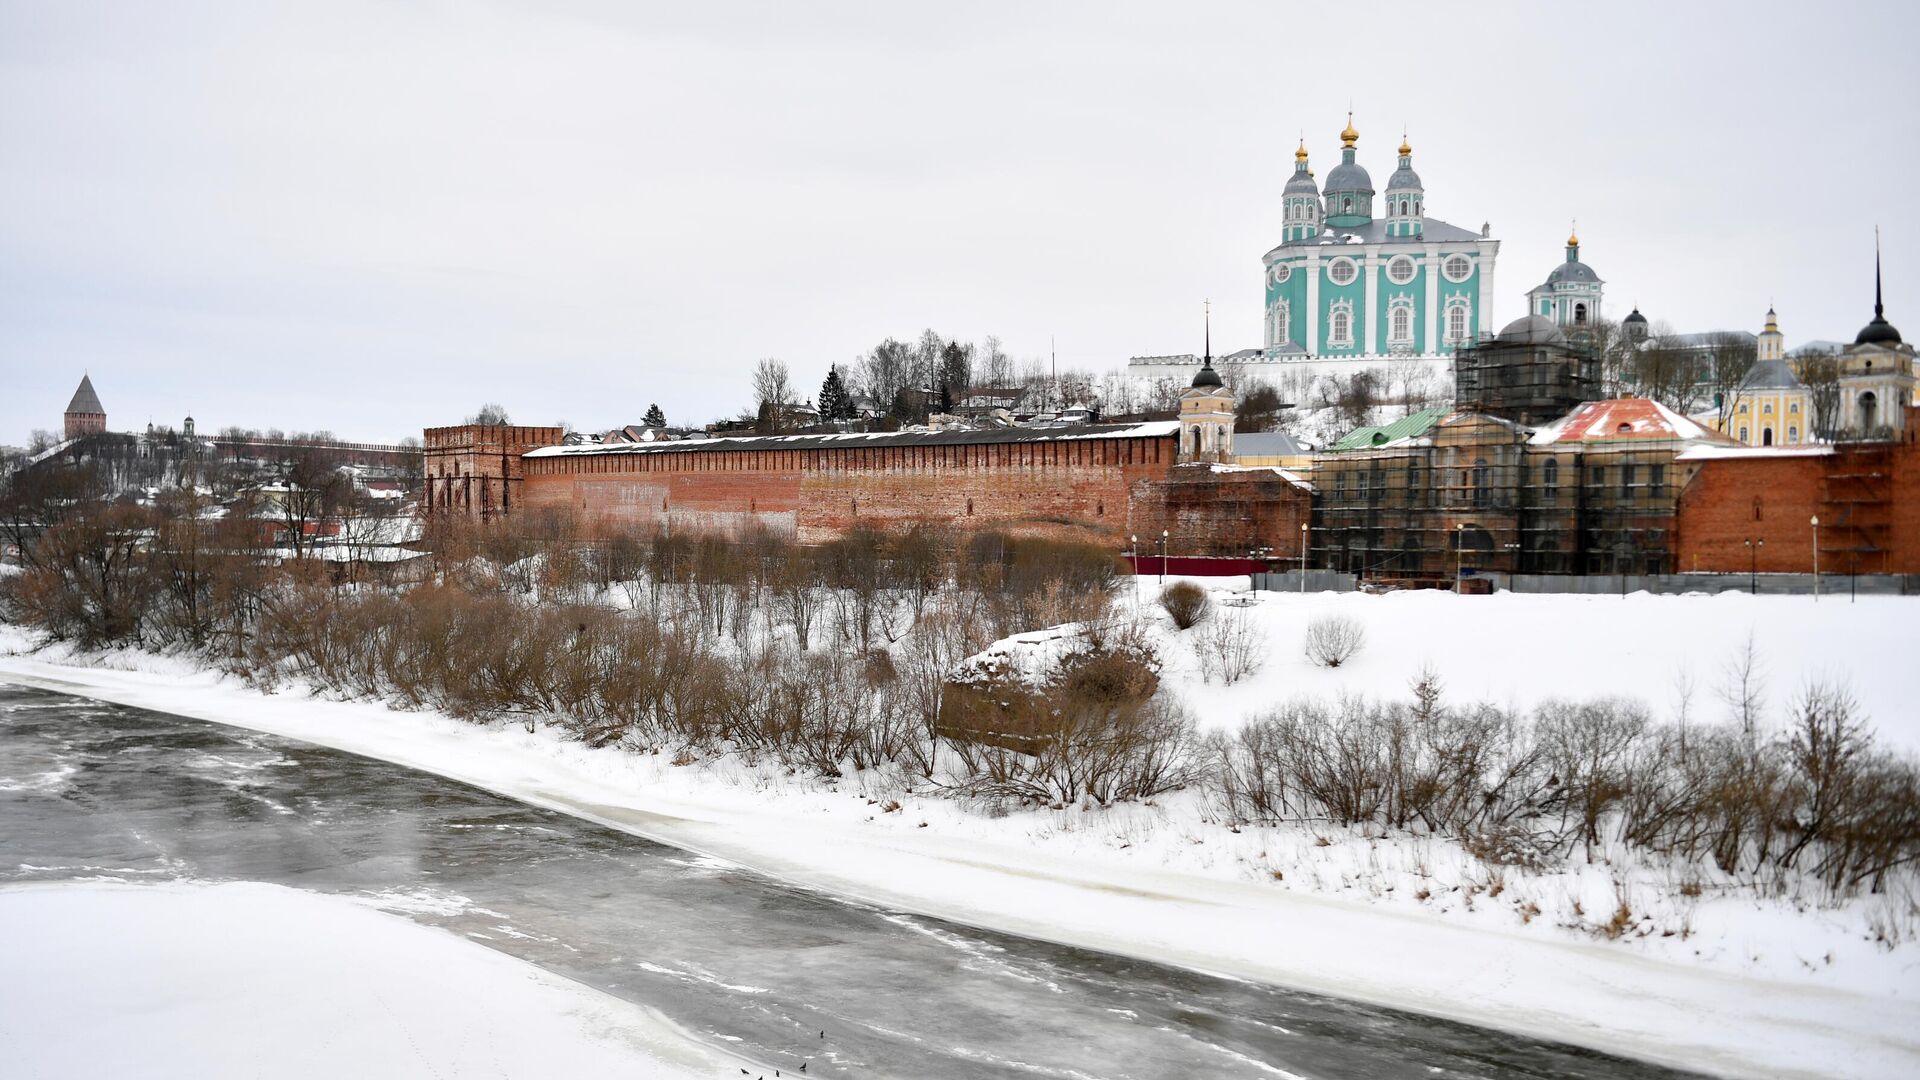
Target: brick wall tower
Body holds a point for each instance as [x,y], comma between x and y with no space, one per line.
[85,414]
[475,470]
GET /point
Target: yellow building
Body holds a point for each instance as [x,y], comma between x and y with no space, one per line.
[1770,407]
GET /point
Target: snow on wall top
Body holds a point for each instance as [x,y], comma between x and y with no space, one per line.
[1714,453]
[1150,430]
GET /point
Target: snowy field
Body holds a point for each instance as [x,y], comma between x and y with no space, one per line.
[1719,981]
[250,980]
[1519,649]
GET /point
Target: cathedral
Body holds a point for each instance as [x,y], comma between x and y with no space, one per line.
[1347,284]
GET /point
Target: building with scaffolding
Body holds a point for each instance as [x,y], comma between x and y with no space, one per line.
[1466,492]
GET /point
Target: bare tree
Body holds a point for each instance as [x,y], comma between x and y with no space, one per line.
[491,415]
[1820,373]
[772,390]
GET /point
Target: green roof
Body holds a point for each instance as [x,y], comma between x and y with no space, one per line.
[1366,438]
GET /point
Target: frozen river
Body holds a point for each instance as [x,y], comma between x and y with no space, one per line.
[777,973]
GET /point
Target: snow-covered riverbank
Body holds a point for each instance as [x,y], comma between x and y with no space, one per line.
[249,980]
[1750,988]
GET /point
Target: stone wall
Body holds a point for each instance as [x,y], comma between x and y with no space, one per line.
[1091,489]
[476,470]
[1866,495]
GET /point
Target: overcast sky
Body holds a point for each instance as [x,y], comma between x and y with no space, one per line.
[373,217]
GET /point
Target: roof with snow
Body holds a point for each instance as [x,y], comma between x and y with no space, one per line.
[85,400]
[1266,444]
[1375,232]
[1623,420]
[1370,436]
[855,440]
[1770,375]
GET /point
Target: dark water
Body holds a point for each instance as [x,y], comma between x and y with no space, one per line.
[95,790]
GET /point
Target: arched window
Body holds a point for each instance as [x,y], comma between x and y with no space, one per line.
[1400,323]
[1580,313]
[1346,203]
[1743,434]
[1551,475]
[1793,434]
[1756,508]
[1457,322]
[1793,407]
[1480,496]
[1766,436]
[1340,327]
[1767,409]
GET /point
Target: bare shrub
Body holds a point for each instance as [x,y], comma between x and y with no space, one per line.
[1187,603]
[1332,640]
[1231,646]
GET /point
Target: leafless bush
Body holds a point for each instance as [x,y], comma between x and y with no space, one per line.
[1231,646]
[1332,640]
[1187,603]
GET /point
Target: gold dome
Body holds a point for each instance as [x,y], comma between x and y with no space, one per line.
[1301,154]
[1405,149]
[1573,239]
[1349,136]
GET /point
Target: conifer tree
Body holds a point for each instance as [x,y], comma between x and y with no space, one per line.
[654,417]
[835,402]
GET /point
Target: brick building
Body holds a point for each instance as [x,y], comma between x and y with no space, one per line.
[1745,510]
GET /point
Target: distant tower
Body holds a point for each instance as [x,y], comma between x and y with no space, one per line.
[1349,190]
[1772,344]
[1404,195]
[1300,201]
[1876,374]
[85,414]
[186,429]
[1206,412]
[1571,294]
[1634,326]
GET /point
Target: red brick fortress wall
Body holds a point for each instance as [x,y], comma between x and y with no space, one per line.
[1866,495]
[477,470]
[1222,511]
[1064,487]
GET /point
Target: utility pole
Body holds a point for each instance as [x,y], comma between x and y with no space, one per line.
[1303,558]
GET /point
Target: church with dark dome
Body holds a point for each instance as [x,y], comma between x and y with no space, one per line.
[1876,376]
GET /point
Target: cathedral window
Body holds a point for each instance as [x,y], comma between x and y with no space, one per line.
[1580,313]
[1400,323]
[1793,407]
[1342,271]
[1457,322]
[1281,272]
[1793,434]
[1767,409]
[1340,325]
[1400,270]
[1457,268]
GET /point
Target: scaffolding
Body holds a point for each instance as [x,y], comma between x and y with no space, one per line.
[1475,494]
[1531,378]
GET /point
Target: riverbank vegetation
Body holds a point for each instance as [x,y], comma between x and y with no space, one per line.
[888,653]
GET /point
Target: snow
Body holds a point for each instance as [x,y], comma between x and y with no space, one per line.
[245,980]
[1148,429]
[1781,986]
[1712,453]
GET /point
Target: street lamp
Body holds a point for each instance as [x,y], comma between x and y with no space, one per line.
[1816,558]
[1459,555]
[1133,560]
[1163,556]
[1753,565]
[1303,558]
